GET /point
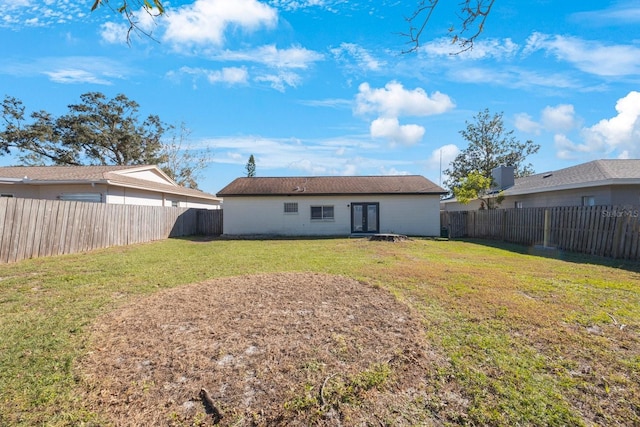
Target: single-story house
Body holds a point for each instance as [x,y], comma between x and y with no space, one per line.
[332,206]
[612,182]
[125,185]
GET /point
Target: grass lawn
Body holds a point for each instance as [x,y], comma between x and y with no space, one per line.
[528,340]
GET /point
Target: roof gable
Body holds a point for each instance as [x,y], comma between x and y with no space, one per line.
[330,185]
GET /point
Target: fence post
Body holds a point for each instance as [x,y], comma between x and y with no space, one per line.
[547,228]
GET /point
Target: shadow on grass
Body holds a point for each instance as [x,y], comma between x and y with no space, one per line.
[553,253]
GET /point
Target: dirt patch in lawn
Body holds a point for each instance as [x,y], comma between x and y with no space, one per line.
[280,349]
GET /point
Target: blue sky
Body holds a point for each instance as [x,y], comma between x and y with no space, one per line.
[321,87]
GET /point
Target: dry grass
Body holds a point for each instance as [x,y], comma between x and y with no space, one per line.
[276,349]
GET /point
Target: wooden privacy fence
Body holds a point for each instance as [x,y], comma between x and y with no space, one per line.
[608,231]
[31,228]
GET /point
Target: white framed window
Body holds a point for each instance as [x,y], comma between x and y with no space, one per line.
[175,204]
[588,201]
[518,205]
[291,207]
[321,213]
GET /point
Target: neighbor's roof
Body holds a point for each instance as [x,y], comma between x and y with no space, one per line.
[330,185]
[591,174]
[119,176]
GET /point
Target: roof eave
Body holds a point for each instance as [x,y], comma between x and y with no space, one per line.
[574,186]
[169,190]
[432,193]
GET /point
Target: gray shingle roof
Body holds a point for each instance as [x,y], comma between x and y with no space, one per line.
[591,174]
[330,185]
[44,175]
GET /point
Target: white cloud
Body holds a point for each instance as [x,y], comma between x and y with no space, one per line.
[617,136]
[70,69]
[567,149]
[293,5]
[482,49]
[114,33]
[317,157]
[621,132]
[616,14]
[40,13]
[280,81]
[390,128]
[514,77]
[589,56]
[293,57]
[525,123]
[560,118]
[363,58]
[228,75]
[74,75]
[394,100]
[204,22]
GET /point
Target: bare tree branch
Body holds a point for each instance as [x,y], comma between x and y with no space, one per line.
[472,15]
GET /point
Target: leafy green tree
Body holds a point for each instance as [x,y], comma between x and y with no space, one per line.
[251,167]
[98,131]
[490,145]
[476,186]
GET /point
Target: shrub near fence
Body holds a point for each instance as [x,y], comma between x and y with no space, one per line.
[607,231]
[31,228]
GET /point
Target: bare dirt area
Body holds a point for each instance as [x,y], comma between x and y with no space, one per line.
[280,349]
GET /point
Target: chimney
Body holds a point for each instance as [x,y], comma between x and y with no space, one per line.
[503,177]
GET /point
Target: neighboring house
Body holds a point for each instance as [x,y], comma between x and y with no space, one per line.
[125,185]
[332,206]
[600,182]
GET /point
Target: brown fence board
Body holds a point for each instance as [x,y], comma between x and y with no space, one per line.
[607,231]
[31,228]
[9,229]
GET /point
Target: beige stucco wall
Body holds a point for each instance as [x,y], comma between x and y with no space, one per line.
[603,195]
[409,215]
[619,195]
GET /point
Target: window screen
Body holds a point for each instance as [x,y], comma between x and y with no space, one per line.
[321,212]
[291,208]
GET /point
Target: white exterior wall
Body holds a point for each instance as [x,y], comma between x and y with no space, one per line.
[49,192]
[410,215]
[110,194]
[130,196]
